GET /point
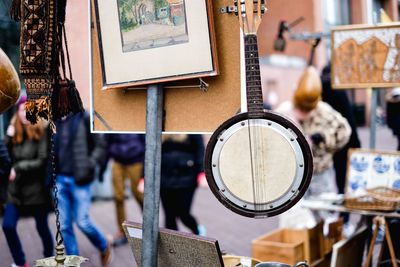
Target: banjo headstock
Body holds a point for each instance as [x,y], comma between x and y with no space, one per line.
[249,13]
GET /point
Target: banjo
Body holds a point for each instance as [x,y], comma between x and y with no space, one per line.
[257,163]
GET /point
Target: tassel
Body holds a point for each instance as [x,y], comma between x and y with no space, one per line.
[43,108]
[55,114]
[15,10]
[75,102]
[63,101]
[59,100]
[61,4]
[30,108]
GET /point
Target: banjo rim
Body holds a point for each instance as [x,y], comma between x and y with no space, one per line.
[305,181]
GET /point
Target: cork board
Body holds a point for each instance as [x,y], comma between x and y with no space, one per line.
[187,109]
[366,56]
[176,248]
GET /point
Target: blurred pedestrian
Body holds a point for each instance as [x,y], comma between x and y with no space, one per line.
[181,163]
[5,167]
[127,153]
[326,130]
[77,152]
[27,194]
[338,100]
[393,113]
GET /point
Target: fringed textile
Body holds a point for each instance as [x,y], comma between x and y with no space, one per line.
[50,94]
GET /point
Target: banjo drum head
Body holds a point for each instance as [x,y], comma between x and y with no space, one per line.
[258,167]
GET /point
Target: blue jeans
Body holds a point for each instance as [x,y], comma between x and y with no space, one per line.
[10,219]
[74,203]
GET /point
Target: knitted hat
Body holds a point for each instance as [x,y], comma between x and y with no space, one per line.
[309,90]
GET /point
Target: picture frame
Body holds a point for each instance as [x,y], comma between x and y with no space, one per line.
[152,41]
[367,169]
[365,56]
[349,252]
[175,248]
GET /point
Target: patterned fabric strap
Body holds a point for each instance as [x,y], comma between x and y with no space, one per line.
[51,95]
[38,60]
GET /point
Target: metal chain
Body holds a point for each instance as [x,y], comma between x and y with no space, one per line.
[59,237]
[51,81]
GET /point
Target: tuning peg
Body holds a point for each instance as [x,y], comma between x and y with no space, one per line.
[263,10]
[228,9]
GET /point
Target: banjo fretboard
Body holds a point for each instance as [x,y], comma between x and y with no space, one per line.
[255,105]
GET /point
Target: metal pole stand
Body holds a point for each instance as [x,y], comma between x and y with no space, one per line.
[372,123]
[152,173]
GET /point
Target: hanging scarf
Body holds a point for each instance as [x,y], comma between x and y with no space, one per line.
[50,94]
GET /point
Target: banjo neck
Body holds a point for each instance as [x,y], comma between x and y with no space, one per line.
[249,13]
[255,106]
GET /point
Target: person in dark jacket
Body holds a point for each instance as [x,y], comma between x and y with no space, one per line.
[181,162]
[393,113]
[127,153]
[5,167]
[77,152]
[339,101]
[27,194]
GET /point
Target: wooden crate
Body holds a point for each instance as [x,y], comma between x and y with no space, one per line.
[233,260]
[282,245]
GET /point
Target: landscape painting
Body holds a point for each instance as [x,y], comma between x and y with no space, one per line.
[146,24]
[152,41]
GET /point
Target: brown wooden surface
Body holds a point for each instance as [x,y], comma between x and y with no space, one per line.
[314,244]
[282,245]
[361,60]
[234,261]
[334,235]
[186,109]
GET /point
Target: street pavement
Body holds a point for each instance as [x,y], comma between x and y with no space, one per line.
[233,232]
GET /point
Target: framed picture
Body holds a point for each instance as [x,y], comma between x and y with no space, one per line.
[151,41]
[366,56]
[349,252]
[176,248]
[367,169]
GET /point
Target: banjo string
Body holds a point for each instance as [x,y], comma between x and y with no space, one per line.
[251,160]
[252,148]
[256,140]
